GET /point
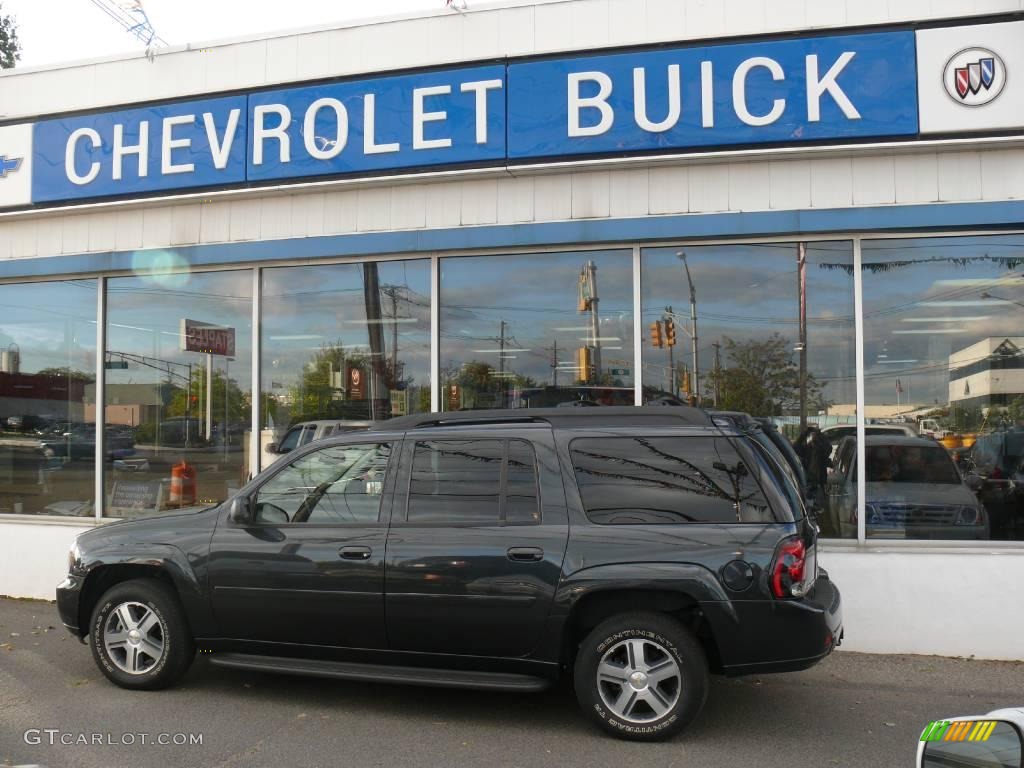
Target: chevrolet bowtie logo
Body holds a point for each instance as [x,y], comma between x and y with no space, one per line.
[8,165]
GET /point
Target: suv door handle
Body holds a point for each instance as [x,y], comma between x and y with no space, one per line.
[355,553]
[525,554]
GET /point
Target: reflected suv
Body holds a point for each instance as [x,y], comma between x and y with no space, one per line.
[635,550]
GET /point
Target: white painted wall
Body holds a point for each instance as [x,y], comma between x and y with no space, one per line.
[948,602]
[488,30]
[638,189]
[34,555]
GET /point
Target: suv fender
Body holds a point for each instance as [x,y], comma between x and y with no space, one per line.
[669,587]
[104,568]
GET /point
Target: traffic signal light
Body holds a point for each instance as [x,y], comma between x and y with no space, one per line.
[670,332]
[583,363]
[656,340]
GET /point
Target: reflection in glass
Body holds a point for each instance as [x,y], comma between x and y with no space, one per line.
[537,330]
[765,329]
[178,363]
[47,391]
[654,481]
[349,343]
[943,333]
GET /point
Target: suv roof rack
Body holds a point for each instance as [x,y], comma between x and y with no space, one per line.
[604,416]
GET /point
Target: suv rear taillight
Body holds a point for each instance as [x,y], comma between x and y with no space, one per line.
[794,569]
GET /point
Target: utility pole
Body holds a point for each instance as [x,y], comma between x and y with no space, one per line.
[589,301]
[501,363]
[693,330]
[671,343]
[554,364]
[718,372]
[371,302]
[801,262]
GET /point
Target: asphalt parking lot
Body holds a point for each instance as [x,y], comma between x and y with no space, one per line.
[852,710]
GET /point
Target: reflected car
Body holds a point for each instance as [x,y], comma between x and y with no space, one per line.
[914,491]
[78,441]
[306,432]
[837,432]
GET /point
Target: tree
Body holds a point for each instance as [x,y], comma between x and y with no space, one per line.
[69,374]
[238,401]
[10,48]
[762,378]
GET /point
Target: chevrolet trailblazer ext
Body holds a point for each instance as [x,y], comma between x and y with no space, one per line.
[635,549]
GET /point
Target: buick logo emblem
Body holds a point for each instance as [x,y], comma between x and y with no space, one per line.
[974,77]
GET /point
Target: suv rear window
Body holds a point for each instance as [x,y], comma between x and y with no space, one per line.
[658,480]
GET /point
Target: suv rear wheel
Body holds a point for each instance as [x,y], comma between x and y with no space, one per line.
[140,638]
[641,676]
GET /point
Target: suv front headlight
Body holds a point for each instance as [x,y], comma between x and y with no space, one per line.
[74,555]
[968,516]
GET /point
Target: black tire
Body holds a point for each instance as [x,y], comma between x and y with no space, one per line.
[664,639]
[169,633]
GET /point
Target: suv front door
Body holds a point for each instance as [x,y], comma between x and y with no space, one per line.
[476,543]
[309,567]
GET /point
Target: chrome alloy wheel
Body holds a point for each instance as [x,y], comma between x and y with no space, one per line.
[133,638]
[639,681]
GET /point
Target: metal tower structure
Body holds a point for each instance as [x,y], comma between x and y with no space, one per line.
[131,16]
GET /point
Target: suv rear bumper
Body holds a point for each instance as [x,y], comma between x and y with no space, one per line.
[778,635]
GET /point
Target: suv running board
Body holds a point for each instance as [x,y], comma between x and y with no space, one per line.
[378,673]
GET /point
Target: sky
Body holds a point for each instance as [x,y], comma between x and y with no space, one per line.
[53,31]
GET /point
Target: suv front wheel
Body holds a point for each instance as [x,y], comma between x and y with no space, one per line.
[641,676]
[139,635]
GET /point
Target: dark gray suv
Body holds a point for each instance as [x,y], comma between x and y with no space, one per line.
[635,550]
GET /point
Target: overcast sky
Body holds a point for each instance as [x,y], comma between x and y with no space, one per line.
[53,31]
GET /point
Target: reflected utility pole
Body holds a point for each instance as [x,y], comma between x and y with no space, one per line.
[718,372]
[693,330]
[375,331]
[801,263]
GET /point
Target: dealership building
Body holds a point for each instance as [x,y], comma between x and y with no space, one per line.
[518,204]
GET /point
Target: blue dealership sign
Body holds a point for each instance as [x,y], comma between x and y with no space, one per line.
[135,151]
[747,93]
[687,98]
[439,118]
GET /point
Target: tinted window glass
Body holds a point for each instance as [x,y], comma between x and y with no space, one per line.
[456,481]
[666,480]
[910,464]
[341,484]
[521,484]
[290,441]
[464,481]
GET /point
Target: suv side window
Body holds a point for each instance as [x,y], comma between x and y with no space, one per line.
[481,482]
[342,484]
[656,480]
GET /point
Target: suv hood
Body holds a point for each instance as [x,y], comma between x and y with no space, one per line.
[921,493]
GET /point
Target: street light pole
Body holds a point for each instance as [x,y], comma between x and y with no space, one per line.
[693,328]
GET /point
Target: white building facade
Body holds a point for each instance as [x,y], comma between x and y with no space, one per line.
[504,207]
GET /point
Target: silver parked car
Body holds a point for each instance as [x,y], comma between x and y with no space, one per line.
[914,491]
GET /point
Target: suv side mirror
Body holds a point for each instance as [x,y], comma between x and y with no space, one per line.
[974,481]
[271,448]
[241,510]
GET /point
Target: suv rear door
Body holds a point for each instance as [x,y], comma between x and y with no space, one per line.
[477,538]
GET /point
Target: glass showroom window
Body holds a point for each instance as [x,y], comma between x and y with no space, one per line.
[774,339]
[178,390]
[47,398]
[944,372]
[345,343]
[537,330]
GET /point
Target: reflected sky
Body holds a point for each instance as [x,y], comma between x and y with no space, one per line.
[537,296]
[53,324]
[928,298]
[750,291]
